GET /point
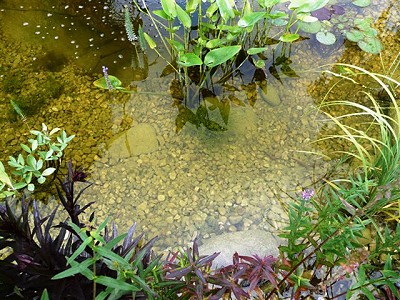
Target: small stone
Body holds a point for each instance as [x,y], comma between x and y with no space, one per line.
[235,219]
[222,211]
[161,197]
[172,175]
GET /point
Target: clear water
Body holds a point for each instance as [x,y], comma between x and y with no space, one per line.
[174,185]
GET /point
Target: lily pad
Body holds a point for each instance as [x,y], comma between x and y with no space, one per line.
[311,27]
[370,45]
[102,83]
[354,35]
[362,3]
[326,38]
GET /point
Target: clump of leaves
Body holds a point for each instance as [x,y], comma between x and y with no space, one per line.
[36,255]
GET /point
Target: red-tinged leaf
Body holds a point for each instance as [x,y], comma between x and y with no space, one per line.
[200,275]
[207,259]
[178,273]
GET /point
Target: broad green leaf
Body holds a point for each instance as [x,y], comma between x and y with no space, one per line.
[31,161]
[178,46]
[307,5]
[218,56]
[169,7]
[313,27]
[149,41]
[116,284]
[102,83]
[183,17]
[48,171]
[362,3]
[211,10]
[326,38]
[289,37]
[215,43]
[113,257]
[39,164]
[20,185]
[306,17]
[226,8]
[78,268]
[162,15]
[370,45]
[259,63]
[191,6]
[268,3]
[354,35]
[189,59]
[251,19]
[54,130]
[31,187]
[252,51]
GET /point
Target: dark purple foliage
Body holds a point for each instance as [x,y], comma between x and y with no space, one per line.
[322,14]
[337,10]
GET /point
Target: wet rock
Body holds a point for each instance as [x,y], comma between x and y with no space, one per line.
[137,140]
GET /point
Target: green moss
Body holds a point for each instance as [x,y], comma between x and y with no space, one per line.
[13,82]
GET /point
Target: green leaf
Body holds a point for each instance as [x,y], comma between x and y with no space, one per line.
[268,3]
[307,5]
[142,42]
[169,7]
[313,27]
[259,63]
[370,45]
[251,19]
[354,35]
[326,38]
[80,249]
[41,180]
[191,6]
[48,171]
[256,50]
[289,37]
[189,59]
[214,43]
[31,187]
[179,47]
[102,83]
[226,9]
[4,177]
[183,17]
[362,3]
[25,148]
[107,253]
[116,284]
[218,56]
[78,268]
[45,295]
[149,41]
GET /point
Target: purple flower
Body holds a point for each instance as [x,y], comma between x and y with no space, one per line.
[107,78]
[307,194]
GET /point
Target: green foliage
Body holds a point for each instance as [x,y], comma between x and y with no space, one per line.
[35,163]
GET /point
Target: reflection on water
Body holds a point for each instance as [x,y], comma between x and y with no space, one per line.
[173,185]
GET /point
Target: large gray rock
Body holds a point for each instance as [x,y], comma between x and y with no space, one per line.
[243,242]
[137,140]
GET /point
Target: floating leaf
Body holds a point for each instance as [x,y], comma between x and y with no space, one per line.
[354,35]
[326,38]
[289,37]
[322,14]
[311,27]
[219,56]
[362,3]
[102,83]
[370,45]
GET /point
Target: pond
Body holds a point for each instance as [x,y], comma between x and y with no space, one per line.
[173,183]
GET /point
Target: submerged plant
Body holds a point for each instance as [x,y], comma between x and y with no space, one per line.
[37,161]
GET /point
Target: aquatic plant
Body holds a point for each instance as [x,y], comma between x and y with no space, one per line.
[37,161]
